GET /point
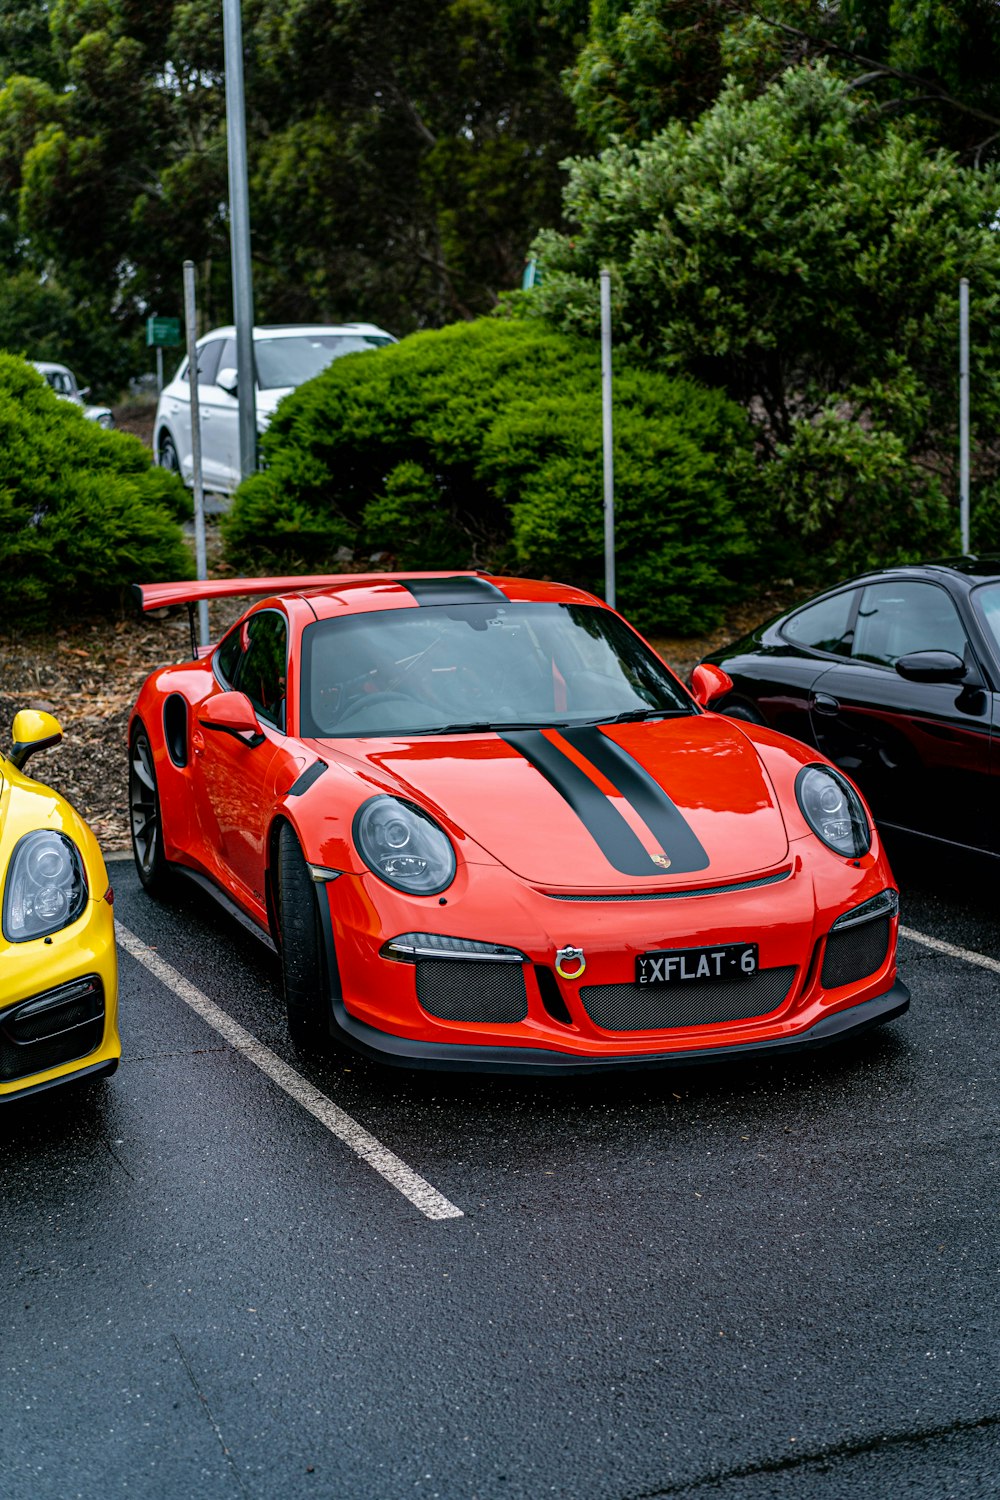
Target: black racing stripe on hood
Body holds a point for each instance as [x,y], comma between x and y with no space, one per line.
[662,817]
[451,590]
[595,810]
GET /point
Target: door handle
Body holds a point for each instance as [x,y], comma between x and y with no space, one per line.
[823,703]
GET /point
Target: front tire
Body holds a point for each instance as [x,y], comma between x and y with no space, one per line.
[303,963]
[145,817]
[166,454]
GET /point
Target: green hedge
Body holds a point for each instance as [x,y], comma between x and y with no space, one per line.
[83,513]
[480,445]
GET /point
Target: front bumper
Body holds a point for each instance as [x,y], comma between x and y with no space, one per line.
[536,1061]
[43,974]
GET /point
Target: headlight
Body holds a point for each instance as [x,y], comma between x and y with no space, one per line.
[833,810]
[404,846]
[46,886]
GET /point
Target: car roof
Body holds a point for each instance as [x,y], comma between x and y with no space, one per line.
[45,365]
[968,570]
[272,330]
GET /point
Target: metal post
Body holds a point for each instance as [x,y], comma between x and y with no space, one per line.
[199,493]
[159,368]
[963,409]
[609,461]
[239,231]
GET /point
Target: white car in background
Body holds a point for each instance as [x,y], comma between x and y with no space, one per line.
[285,357]
[63,382]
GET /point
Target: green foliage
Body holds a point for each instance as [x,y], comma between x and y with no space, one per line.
[82,513]
[796,251]
[480,446]
[932,63]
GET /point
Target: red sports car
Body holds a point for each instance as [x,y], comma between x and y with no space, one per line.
[487,828]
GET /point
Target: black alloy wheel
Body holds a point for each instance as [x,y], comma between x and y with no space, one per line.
[303,961]
[145,819]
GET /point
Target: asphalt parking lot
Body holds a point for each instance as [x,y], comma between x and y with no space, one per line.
[230,1273]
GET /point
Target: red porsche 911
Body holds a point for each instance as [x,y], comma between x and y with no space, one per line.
[487,828]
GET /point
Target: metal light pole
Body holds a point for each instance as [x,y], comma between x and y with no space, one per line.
[199,492]
[963,409]
[607,429]
[239,231]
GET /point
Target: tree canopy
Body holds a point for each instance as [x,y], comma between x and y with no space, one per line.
[803,253]
[401,158]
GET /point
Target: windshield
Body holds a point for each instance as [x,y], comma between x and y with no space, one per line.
[471,667]
[289,361]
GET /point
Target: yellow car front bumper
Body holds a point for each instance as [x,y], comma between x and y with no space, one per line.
[59,1004]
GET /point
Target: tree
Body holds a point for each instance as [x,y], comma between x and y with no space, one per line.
[802,253]
[934,63]
[401,156]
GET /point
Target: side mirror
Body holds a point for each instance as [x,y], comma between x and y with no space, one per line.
[226,378]
[83,390]
[709,683]
[232,713]
[931,666]
[32,730]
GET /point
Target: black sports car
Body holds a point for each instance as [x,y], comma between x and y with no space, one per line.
[895,676]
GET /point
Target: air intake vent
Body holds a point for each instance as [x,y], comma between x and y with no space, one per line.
[57,1027]
[455,989]
[634,1007]
[855,952]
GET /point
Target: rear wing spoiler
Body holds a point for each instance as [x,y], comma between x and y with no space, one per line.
[149,596]
[190,591]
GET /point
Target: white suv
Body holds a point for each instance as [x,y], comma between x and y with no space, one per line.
[284,356]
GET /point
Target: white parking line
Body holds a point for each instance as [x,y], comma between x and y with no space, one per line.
[967,954]
[427,1199]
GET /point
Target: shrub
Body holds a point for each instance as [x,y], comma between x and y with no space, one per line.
[480,446]
[82,512]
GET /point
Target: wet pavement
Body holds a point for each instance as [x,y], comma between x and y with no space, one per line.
[747,1282]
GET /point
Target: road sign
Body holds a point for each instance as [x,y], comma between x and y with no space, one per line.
[163,333]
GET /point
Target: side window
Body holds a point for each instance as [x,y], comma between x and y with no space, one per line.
[208,361]
[227,656]
[824,626]
[263,667]
[896,618]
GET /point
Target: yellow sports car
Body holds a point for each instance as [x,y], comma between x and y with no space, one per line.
[58,968]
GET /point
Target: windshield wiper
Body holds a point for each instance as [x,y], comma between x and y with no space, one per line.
[635,715]
[486,726]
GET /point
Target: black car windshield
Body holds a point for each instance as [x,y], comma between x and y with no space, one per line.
[293,359]
[470,667]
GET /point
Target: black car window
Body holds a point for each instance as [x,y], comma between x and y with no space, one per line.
[895,618]
[208,361]
[262,670]
[823,626]
[227,657]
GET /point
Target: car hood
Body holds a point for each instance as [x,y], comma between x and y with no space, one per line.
[674,801]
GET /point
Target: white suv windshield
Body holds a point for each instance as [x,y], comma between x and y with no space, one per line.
[292,359]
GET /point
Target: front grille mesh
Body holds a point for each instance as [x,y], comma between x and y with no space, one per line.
[454,989]
[855,952]
[634,1007]
[60,1027]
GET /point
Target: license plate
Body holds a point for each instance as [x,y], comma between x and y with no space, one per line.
[695,965]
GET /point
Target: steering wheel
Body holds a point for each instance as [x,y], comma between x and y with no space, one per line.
[358,707]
